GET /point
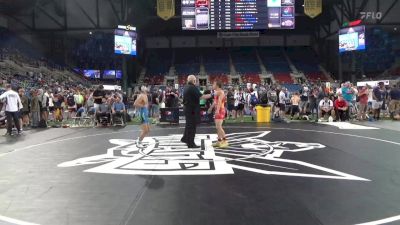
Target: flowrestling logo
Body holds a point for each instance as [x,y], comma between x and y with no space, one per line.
[371,15]
[166,155]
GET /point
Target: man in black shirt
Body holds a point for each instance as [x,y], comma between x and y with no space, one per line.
[98,96]
[191,102]
[155,106]
[230,102]
[171,98]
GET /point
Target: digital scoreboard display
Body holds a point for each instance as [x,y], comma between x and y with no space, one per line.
[351,39]
[125,40]
[93,74]
[112,74]
[238,14]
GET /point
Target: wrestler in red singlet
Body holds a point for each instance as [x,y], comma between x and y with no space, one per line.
[220,111]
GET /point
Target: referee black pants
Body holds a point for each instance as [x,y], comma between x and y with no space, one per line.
[12,116]
[190,130]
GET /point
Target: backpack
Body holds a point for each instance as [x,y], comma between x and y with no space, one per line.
[253,100]
[70,100]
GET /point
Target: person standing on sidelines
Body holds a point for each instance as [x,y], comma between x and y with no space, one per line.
[142,107]
[13,106]
[378,95]
[191,102]
[219,116]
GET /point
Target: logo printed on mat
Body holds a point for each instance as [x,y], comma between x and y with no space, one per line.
[166,155]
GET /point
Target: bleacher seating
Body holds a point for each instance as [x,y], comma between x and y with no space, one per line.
[315,76]
[94,52]
[156,80]
[182,79]
[274,60]
[223,78]
[23,58]
[283,78]
[304,59]
[395,71]
[158,62]
[216,61]
[292,88]
[187,61]
[245,61]
[251,78]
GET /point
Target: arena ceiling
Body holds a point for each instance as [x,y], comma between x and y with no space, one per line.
[91,15]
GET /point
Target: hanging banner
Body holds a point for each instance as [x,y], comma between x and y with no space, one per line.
[166,9]
[312,8]
[249,34]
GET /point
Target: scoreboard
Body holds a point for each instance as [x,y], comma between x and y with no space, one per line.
[238,14]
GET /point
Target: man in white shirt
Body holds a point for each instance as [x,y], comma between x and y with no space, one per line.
[326,107]
[13,106]
[282,102]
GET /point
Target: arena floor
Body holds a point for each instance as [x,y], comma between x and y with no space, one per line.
[296,173]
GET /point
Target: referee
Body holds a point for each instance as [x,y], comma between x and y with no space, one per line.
[13,106]
[191,103]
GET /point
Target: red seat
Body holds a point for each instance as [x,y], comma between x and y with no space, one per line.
[220,77]
[315,76]
[182,79]
[154,80]
[283,78]
[251,78]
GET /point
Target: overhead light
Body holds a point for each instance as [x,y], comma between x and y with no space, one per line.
[90,32]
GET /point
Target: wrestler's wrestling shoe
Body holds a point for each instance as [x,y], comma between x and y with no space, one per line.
[216,144]
[139,144]
[224,144]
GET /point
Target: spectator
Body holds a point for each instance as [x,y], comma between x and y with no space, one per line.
[378,95]
[155,106]
[24,113]
[363,103]
[79,99]
[295,100]
[341,107]
[282,103]
[239,104]
[230,102]
[313,98]
[44,105]
[394,104]
[89,103]
[171,98]
[103,111]
[98,96]
[326,108]
[35,109]
[252,100]
[118,110]
[12,107]
[202,101]
[71,104]
[304,100]
[58,101]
